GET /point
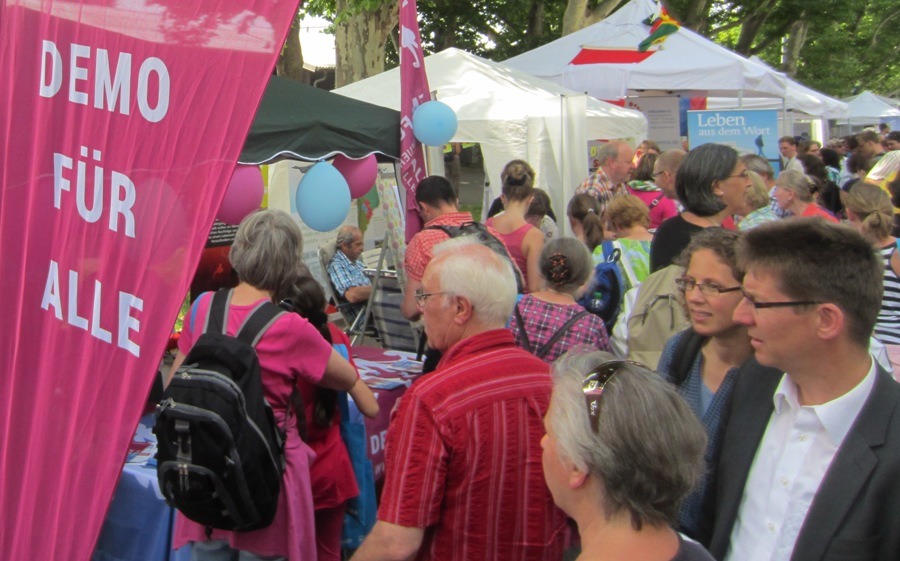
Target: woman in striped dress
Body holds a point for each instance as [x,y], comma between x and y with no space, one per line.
[869,210]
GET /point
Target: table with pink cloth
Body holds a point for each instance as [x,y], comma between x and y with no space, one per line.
[389,373]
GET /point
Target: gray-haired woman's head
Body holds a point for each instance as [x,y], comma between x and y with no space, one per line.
[647,452]
[566,264]
[700,169]
[267,249]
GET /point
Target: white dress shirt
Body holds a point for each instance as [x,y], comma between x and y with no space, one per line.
[793,456]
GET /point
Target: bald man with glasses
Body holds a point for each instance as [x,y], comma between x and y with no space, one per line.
[810,441]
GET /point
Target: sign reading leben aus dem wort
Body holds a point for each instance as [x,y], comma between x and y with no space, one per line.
[747,131]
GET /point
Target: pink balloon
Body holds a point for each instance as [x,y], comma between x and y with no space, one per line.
[360,174]
[243,196]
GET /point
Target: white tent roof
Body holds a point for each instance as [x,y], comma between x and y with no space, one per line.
[798,98]
[685,61]
[514,115]
[867,108]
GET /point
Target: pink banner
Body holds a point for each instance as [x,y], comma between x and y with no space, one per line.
[413,92]
[120,123]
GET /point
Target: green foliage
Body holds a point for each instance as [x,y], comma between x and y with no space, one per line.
[850,45]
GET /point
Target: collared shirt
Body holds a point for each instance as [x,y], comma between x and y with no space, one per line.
[799,445]
[757,217]
[346,274]
[463,456]
[421,247]
[599,186]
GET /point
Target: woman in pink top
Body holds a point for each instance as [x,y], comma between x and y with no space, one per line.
[523,240]
[266,255]
[794,193]
[642,186]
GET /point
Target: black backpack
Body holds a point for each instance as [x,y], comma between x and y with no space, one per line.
[220,453]
[487,239]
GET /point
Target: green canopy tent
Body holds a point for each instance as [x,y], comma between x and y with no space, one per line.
[296,121]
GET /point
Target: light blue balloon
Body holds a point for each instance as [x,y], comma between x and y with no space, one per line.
[434,123]
[323,198]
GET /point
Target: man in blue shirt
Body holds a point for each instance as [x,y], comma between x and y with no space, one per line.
[346,269]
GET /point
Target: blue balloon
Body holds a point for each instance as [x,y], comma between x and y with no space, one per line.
[323,198]
[434,123]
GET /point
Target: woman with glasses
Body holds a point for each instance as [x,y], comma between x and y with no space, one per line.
[702,361]
[794,193]
[710,185]
[548,322]
[622,450]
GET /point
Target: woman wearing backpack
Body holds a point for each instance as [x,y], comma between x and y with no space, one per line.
[331,474]
[523,240]
[549,322]
[584,218]
[703,360]
[266,255]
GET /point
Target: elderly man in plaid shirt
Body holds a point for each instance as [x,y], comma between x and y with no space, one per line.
[346,269]
[614,166]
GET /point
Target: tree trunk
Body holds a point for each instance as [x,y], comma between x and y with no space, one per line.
[290,59]
[749,30]
[535,34]
[696,15]
[794,45]
[360,40]
[578,15]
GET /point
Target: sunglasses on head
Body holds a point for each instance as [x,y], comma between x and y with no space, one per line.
[594,384]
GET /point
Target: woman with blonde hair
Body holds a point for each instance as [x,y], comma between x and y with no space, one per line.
[585,220]
[757,209]
[523,240]
[794,192]
[869,210]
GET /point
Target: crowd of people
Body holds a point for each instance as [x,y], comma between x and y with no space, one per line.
[768,427]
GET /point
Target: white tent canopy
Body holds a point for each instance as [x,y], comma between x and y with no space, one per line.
[684,62]
[867,108]
[514,115]
[798,98]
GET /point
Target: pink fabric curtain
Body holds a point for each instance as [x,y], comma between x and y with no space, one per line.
[413,92]
[120,124]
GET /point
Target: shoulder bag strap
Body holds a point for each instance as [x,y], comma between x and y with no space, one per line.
[685,354]
[559,333]
[521,325]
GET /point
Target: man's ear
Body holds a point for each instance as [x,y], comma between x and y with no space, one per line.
[831,321]
[464,311]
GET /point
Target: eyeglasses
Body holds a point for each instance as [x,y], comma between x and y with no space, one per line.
[422,297]
[763,305]
[594,384]
[656,174]
[742,175]
[686,285]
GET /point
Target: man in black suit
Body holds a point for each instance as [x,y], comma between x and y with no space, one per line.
[809,461]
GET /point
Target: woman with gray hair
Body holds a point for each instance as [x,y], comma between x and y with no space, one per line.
[794,193]
[622,450]
[710,185]
[266,255]
[548,322]
[757,209]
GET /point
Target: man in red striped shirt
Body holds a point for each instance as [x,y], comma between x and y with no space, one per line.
[463,458]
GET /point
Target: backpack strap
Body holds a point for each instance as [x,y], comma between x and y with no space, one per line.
[559,333]
[685,354]
[263,315]
[521,324]
[625,264]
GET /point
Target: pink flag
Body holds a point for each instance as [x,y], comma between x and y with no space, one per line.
[120,124]
[413,92]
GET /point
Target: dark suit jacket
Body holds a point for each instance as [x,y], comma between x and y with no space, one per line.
[855,514]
